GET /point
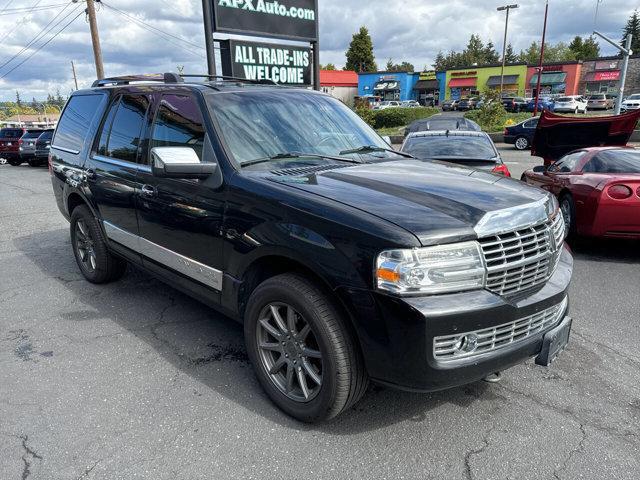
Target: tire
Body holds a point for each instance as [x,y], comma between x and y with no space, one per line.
[568,209]
[340,367]
[95,261]
[575,112]
[521,143]
[33,163]
[14,163]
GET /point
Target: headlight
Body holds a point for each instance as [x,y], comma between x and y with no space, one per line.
[439,269]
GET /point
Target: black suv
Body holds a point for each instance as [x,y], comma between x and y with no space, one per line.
[345,261]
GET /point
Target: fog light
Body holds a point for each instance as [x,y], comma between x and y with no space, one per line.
[467,343]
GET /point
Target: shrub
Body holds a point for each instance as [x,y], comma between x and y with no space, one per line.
[394,117]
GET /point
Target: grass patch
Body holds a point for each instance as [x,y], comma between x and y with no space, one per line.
[497,121]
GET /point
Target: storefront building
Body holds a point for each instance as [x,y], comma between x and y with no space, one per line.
[470,81]
[388,85]
[557,79]
[430,87]
[603,75]
[341,84]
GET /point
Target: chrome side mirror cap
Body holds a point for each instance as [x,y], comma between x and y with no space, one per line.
[179,162]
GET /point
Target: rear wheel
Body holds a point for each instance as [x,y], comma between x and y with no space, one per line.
[302,351]
[521,143]
[14,162]
[33,162]
[96,263]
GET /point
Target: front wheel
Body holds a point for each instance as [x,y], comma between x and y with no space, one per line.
[14,163]
[568,210]
[301,348]
[521,143]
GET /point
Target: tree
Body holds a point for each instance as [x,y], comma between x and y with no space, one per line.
[509,55]
[399,67]
[360,53]
[328,66]
[580,49]
[632,28]
[490,55]
[18,100]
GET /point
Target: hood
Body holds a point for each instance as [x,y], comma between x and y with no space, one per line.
[557,135]
[432,200]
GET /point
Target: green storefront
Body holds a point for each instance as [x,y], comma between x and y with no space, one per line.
[474,80]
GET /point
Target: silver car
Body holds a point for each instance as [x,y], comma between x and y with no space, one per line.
[27,147]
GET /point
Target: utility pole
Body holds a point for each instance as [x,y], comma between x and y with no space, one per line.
[95,38]
[504,43]
[207,14]
[626,52]
[544,35]
[75,78]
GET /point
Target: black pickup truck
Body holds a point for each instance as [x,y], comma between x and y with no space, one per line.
[346,261]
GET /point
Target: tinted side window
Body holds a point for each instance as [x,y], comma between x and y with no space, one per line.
[124,137]
[106,129]
[567,163]
[76,120]
[178,124]
[531,124]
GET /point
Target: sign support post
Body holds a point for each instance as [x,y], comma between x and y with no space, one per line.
[208,36]
[316,65]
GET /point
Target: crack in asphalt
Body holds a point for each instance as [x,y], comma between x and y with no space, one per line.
[477,451]
[634,361]
[574,451]
[87,471]
[28,452]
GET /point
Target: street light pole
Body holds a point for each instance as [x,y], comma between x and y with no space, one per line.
[544,34]
[504,43]
[626,52]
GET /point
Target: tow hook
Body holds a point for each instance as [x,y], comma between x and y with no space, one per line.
[494,377]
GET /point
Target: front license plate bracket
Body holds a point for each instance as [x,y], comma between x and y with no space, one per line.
[554,342]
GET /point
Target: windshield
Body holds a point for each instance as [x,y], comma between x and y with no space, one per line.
[564,99]
[597,97]
[261,124]
[440,146]
[635,96]
[31,135]
[11,133]
[46,135]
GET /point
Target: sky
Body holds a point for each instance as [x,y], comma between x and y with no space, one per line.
[411,30]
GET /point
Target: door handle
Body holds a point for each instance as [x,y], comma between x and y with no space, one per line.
[148,191]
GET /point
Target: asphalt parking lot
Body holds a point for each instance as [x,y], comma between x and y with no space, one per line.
[136,380]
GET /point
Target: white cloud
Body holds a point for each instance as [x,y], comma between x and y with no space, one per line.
[412,30]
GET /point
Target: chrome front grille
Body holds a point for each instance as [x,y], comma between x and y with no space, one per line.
[477,342]
[522,259]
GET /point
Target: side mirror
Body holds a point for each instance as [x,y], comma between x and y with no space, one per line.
[539,169]
[179,162]
[387,139]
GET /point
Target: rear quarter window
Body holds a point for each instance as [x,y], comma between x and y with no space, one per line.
[77,118]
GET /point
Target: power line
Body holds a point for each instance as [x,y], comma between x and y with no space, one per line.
[44,44]
[16,11]
[6,5]
[159,30]
[41,34]
[15,27]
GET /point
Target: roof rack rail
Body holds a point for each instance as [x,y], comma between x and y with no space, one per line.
[263,81]
[127,79]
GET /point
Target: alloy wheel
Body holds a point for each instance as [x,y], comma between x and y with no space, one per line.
[289,352]
[565,208]
[521,143]
[85,246]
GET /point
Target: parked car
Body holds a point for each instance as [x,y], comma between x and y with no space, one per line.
[557,135]
[599,101]
[571,104]
[409,104]
[521,135]
[632,102]
[598,189]
[429,101]
[467,104]
[387,104]
[544,103]
[43,145]
[27,145]
[469,149]
[441,122]
[449,105]
[514,104]
[344,260]
[10,144]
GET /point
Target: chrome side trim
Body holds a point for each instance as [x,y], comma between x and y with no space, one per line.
[68,150]
[122,163]
[187,266]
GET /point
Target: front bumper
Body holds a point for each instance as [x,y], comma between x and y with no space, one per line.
[397,334]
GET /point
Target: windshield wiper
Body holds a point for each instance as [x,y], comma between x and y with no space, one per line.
[285,155]
[373,148]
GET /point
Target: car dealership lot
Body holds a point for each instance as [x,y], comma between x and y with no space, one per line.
[136,380]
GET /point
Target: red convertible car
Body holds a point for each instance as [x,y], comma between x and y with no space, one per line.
[598,189]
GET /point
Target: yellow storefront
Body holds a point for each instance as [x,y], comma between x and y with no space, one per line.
[474,80]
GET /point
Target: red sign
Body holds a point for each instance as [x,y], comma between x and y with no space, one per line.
[552,68]
[468,73]
[607,76]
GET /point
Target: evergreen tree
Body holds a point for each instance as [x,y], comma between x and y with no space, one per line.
[59,101]
[580,49]
[34,103]
[360,53]
[399,67]
[329,66]
[632,27]
[18,100]
[490,55]
[510,55]
[531,54]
